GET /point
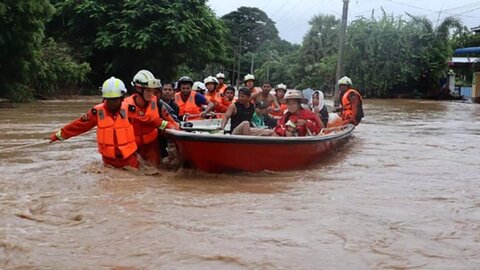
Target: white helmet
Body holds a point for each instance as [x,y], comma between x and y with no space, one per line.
[220,76]
[281,86]
[146,79]
[199,86]
[210,79]
[248,77]
[113,88]
[345,80]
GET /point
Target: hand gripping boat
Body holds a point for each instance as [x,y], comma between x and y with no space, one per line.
[217,152]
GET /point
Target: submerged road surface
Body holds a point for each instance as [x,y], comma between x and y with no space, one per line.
[402,194]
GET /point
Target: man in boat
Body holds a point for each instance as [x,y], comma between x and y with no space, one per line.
[147,106]
[260,118]
[168,97]
[249,81]
[221,86]
[190,102]
[115,133]
[280,90]
[266,97]
[229,96]
[240,112]
[351,109]
[213,96]
[297,121]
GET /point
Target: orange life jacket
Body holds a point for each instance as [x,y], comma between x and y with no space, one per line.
[115,135]
[221,88]
[347,109]
[145,133]
[188,107]
[216,99]
[283,108]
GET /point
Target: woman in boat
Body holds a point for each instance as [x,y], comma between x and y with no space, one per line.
[297,121]
[318,106]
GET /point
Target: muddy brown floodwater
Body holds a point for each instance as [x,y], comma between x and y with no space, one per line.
[403,193]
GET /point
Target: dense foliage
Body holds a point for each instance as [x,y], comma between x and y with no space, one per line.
[21,34]
[48,48]
[120,37]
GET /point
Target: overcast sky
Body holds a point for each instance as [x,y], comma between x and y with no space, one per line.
[292,16]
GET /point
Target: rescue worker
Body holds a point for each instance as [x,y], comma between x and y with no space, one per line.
[199,87]
[318,106]
[213,96]
[221,86]
[147,107]
[297,121]
[240,112]
[249,81]
[266,97]
[190,102]
[280,90]
[351,109]
[115,133]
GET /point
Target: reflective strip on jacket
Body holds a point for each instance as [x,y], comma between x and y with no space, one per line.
[115,134]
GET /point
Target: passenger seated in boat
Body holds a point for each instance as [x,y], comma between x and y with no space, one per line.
[297,121]
[240,113]
[318,106]
[168,97]
[260,118]
[280,90]
[266,96]
[228,96]
[213,96]
[190,102]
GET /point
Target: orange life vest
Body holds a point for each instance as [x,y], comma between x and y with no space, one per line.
[347,109]
[283,108]
[115,135]
[221,88]
[188,107]
[145,133]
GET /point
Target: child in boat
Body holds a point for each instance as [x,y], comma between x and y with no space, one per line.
[260,118]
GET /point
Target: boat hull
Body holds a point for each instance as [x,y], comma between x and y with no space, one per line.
[224,153]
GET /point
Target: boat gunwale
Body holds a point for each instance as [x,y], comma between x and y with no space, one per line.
[247,139]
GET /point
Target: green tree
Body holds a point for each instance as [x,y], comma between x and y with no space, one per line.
[391,53]
[120,37]
[250,25]
[21,34]
[318,53]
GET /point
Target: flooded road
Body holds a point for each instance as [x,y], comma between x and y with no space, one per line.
[402,194]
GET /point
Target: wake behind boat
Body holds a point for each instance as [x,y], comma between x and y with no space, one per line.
[217,153]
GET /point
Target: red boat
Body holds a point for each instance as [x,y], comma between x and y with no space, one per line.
[217,153]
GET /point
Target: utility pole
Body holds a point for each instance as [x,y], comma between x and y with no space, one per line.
[251,66]
[239,60]
[341,48]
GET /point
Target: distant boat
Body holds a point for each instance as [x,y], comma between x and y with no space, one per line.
[217,152]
